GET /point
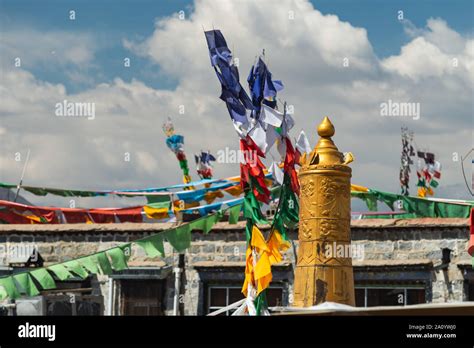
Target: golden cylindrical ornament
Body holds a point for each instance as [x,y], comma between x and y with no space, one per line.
[324,266]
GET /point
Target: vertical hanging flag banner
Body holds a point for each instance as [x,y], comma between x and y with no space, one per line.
[175,143]
[259,125]
[428,173]
[406,161]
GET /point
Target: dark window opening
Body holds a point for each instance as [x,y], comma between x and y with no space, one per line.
[68,305]
[142,297]
[389,296]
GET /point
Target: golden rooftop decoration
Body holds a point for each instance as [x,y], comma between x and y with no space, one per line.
[324,265]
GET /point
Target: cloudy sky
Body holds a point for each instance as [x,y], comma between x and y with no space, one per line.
[336,58]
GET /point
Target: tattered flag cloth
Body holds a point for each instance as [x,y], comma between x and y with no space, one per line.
[289,167]
[203,162]
[428,172]
[253,171]
[264,130]
[235,97]
[302,144]
[262,88]
[218,50]
[277,173]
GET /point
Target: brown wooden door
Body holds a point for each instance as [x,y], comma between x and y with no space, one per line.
[142,297]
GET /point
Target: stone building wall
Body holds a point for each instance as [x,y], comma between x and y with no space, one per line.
[386,243]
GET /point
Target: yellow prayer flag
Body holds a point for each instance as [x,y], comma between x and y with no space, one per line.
[156,213]
[258,241]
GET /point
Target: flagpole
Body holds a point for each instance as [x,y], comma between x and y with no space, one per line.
[22,175]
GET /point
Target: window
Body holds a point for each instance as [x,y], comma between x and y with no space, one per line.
[74,305]
[470,291]
[142,297]
[389,296]
[220,296]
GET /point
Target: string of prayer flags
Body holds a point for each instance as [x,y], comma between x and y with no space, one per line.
[31,282]
[417,206]
[175,143]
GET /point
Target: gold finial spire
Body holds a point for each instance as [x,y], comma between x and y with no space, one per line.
[326,128]
[326,151]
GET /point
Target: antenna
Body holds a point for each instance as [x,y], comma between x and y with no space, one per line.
[22,175]
[463,173]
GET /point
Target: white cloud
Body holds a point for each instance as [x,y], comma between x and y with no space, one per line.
[306,53]
[47,48]
[437,51]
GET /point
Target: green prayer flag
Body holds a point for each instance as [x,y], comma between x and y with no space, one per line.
[252,209]
[153,245]
[198,224]
[180,237]
[104,263]
[118,257]
[234,213]
[89,264]
[26,283]
[75,267]
[248,230]
[422,207]
[60,271]
[9,287]
[369,199]
[152,199]
[43,277]
[434,183]
[261,302]
[3,293]
[159,205]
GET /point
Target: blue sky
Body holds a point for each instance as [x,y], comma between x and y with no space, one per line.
[82,60]
[111,21]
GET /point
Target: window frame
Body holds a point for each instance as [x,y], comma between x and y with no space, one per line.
[224,275]
[405,287]
[209,287]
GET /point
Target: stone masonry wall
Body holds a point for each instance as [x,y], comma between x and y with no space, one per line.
[383,241]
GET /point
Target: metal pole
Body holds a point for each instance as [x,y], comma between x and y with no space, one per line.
[177,285]
[111,297]
[179,271]
[22,175]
